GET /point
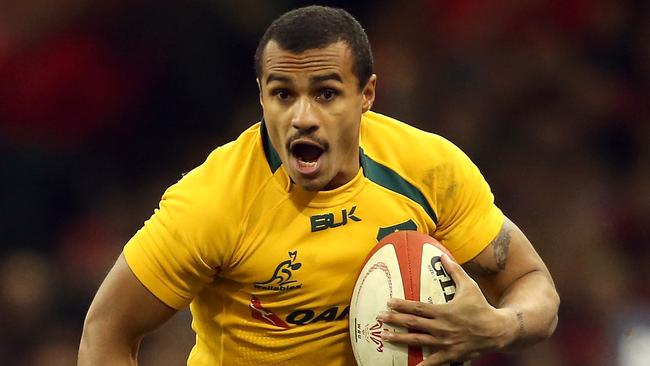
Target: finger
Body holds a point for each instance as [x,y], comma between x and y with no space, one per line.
[435,359]
[456,272]
[438,359]
[408,321]
[413,339]
[416,339]
[447,357]
[418,308]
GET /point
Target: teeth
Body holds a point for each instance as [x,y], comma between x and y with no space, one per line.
[307,163]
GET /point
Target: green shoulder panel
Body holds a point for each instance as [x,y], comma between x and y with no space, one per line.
[388,178]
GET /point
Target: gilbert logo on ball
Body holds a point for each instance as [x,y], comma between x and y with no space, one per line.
[406,265]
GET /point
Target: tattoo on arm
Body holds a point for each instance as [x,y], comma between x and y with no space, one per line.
[522,330]
[475,268]
[500,246]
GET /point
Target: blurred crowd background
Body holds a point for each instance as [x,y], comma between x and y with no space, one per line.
[103,104]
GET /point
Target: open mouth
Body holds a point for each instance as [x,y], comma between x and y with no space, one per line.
[306,154]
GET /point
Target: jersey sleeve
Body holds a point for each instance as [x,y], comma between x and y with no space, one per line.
[188,239]
[468,219]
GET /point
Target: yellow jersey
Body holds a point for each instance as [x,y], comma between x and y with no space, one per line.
[268,268]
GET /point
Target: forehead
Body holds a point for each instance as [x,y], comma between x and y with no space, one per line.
[335,57]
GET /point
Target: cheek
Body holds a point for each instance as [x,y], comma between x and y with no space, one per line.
[277,117]
[348,134]
[274,118]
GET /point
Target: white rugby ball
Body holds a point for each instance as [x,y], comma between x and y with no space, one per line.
[406,265]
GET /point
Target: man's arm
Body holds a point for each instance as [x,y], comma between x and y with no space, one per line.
[121,313]
[516,304]
[513,277]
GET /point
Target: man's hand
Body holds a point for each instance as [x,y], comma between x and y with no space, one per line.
[457,331]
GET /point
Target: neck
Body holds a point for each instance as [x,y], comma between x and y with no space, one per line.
[346,173]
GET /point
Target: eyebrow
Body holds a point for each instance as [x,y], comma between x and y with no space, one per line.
[276,77]
[332,76]
[313,79]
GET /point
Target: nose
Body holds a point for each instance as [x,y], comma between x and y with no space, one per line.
[304,116]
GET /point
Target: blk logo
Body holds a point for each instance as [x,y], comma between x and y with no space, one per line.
[328,220]
[281,278]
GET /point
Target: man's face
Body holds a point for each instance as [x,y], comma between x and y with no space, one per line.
[312,109]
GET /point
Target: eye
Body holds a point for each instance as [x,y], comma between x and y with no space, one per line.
[328,94]
[282,94]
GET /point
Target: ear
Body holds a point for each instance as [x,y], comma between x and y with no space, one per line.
[259,89]
[368,93]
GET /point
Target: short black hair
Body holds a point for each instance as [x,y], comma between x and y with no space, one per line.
[314,27]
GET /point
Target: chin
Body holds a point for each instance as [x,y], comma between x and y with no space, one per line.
[311,185]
